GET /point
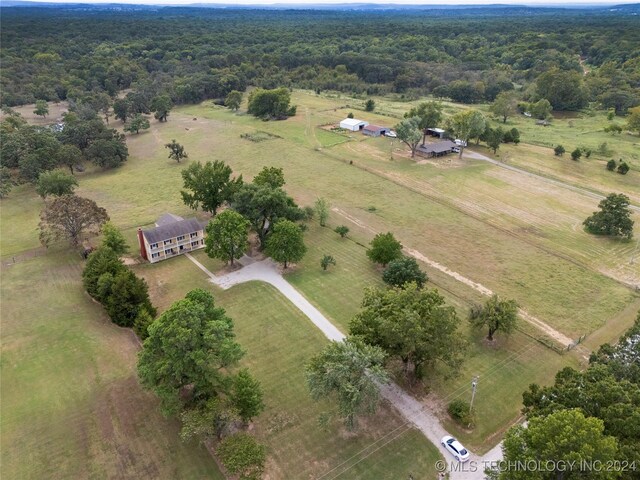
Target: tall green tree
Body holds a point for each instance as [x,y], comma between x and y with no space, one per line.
[137,123]
[188,351]
[110,152]
[384,248]
[466,125]
[127,296]
[6,181]
[614,217]
[272,176]
[102,261]
[286,243]
[349,372]
[176,151]
[496,315]
[412,324]
[70,156]
[541,109]
[227,236]
[556,441]
[113,238]
[409,132]
[161,106]
[233,100]
[271,104]
[504,106]
[633,120]
[263,206]
[563,88]
[55,183]
[430,115]
[246,396]
[404,270]
[122,109]
[208,186]
[68,217]
[322,210]
[42,109]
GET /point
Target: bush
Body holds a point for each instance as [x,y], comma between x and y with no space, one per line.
[241,455]
[342,230]
[384,248]
[326,261]
[460,411]
[370,105]
[350,115]
[402,271]
[559,150]
[623,168]
[611,165]
[576,154]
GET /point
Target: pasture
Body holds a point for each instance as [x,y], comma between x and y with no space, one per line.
[518,236]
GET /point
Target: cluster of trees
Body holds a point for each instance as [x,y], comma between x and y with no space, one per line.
[124,295]
[262,205]
[190,361]
[27,151]
[195,54]
[271,104]
[584,416]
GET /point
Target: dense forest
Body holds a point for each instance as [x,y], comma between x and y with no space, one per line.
[192,54]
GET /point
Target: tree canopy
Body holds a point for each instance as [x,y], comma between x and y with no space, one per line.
[350,373]
[209,186]
[227,236]
[614,217]
[286,242]
[188,350]
[384,248]
[412,324]
[68,217]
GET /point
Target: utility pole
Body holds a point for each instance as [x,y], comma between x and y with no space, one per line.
[474,385]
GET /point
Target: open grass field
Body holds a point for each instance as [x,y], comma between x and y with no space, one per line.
[518,236]
[71,403]
[279,340]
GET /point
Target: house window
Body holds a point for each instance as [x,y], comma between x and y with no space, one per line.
[167,242]
[201,242]
[181,237]
[154,245]
[194,234]
[194,244]
[155,255]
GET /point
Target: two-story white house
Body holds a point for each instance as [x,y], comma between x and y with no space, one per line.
[171,236]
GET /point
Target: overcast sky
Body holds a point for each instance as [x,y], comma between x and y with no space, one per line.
[402,2]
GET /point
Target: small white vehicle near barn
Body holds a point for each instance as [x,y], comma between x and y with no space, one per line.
[353,124]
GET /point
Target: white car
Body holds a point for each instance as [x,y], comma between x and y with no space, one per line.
[455,448]
[390,134]
[460,143]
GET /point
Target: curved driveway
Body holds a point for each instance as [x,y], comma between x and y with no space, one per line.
[410,408]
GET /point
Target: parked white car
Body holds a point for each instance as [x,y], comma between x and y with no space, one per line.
[527,114]
[460,143]
[455,448]
[455,150]
[390,134]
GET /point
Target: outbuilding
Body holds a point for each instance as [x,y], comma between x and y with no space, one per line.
[374,130]
[353,124]
[436,132]
[436,149]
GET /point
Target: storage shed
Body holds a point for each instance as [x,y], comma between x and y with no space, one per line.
[436,132]
[353,124]
[374,130]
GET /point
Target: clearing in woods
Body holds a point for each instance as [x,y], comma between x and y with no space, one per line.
[498,229]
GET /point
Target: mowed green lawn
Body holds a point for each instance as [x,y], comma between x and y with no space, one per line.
[279,340]
[506,369]
[71,403]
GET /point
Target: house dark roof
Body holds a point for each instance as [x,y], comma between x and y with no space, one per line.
[439,147]
[374,128]
[170,230]
[168,218]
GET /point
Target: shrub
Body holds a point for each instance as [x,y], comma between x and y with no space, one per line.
[461,412]
[241,455]
[350,115]
[384,248]
[342,230]
[576,154]
[402,271]
[623,168]
[611,165]
[370,105]
[559,150]
[326,261]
